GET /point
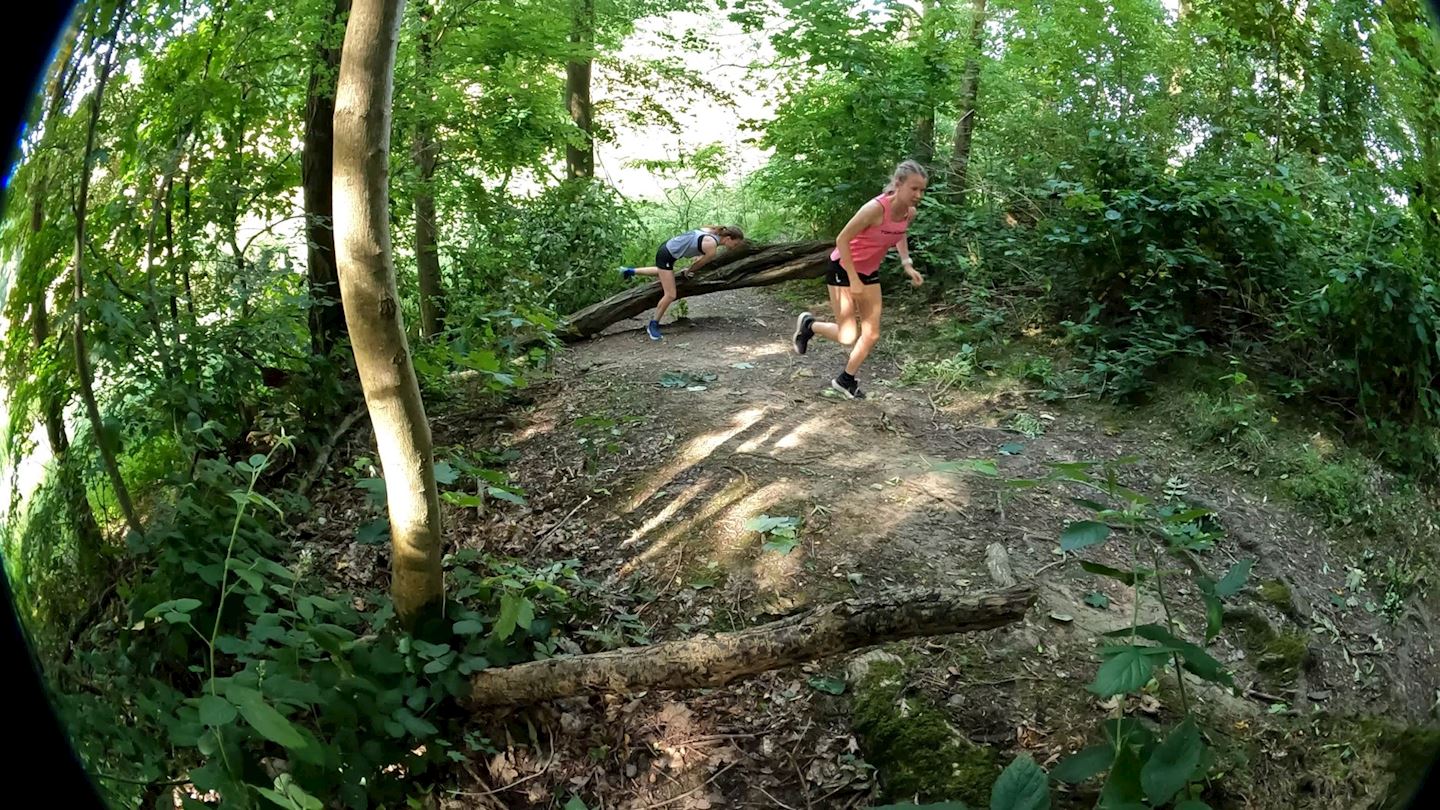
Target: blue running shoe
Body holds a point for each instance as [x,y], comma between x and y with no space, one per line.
[653,329]
[627,273]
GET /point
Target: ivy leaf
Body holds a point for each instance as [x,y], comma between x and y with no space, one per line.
[1172,763]
[1076,768]
[1011,448]
[1021,786]
[468,627]
[1126,671]
[830,686]
[445,474]
[780,543]
[1083,534]
[509,618]
[505,495]
[1214,611]
[1187,515]
[1097,599]
[289,795]
[1196,659]
[374,532]
[1122,789]
[263,717]
[464,500]
[417,726]
[374,488]
[216,711]
[1234,579]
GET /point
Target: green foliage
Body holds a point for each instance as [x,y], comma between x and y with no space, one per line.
[781,533]
[951,372]
[237,658]
[1140,769]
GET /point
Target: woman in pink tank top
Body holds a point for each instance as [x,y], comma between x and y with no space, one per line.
[854,276]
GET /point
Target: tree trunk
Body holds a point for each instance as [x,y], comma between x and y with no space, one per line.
[580,161]
[969,89]
[370,301]
[77,267]
[925,136]
[925,123]
[710,661]
[327,319]
[425,151]
[750,266]
[52,402]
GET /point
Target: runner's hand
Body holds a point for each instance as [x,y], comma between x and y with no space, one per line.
[915,278]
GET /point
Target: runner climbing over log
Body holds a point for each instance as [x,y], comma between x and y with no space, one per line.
[702,242]
[854,276]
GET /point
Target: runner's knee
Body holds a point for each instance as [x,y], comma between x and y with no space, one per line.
[848,333]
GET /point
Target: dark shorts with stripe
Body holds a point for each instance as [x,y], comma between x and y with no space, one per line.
[663,259]
[837,277]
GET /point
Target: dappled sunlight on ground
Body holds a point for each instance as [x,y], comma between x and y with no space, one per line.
[695,451]
[755,352]
[662,536]
[797,435]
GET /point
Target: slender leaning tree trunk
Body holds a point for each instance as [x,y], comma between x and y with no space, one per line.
[367,291]
[580,160]
[327,319]
[77,270]
[969,90]
[426,151]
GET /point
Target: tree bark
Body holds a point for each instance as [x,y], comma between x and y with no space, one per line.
[52,402]
[710,661]
[997,562]
[580,160]
[326,318]
[969,89]
[749,266]
[426,151]
[77,267]
[370,301]
[925,123]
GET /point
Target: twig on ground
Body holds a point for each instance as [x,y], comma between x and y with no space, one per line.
[777,802]
[1047,566]
[698,787]
[563,520]
[522,780]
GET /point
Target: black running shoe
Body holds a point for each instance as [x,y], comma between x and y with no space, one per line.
[803,332]
[848,386]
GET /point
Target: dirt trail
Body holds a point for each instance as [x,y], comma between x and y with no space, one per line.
[651,487]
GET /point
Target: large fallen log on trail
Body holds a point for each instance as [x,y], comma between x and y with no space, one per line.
[747,266]
[708,661]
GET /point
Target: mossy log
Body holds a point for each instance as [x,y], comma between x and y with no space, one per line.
[715,660]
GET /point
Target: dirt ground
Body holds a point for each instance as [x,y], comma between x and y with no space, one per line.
[649,480]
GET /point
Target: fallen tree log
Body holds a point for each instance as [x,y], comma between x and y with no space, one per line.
[747,266]
[715,660]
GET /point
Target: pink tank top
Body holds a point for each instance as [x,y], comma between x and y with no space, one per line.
[869,247]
